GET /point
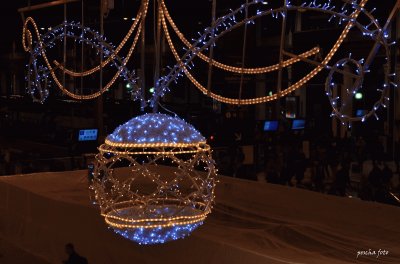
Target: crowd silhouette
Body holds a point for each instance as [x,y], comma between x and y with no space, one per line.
[351,167]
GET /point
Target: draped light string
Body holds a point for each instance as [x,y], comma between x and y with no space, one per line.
[228,67]
[222,25]
[109,84]
[109,59]
[96,42]
[112,56]
[229,22]
[182,63]
[141,15]
[201,87]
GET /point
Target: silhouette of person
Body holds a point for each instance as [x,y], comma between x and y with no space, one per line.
[387,175]
[238,163]
[375,180]
[73,257]
[225,168]
[272,170]
[289,166]
[300,165]
[321,169]
[342,179]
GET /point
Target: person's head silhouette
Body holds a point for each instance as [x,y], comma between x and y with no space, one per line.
[69,248]
[73,257]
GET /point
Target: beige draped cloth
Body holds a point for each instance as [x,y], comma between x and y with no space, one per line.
[251,222]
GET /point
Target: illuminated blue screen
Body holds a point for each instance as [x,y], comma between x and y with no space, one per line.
[298,124]
[87,135]
[271,125]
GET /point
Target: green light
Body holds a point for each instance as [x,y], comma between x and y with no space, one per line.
[128,86]
[270,93]
[359,96]
[151,90]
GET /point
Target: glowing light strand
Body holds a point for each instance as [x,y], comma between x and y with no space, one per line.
[228,23]
[27,42]
[378,35]
[139,17]
[220,65]
[38,75]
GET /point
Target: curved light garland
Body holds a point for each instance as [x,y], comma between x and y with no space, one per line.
[209,37]
[230,22]
[338,104]
[142,202]
[222,66]
[38,74]
[141,16]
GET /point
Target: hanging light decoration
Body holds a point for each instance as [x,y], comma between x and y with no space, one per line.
[346,14]
[154,179]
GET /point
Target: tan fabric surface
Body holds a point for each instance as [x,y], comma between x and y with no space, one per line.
[251,223]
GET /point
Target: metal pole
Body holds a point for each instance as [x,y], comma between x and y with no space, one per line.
[316,63]
[377,45]
[281,49]
[395,91]
[210,63]
[395,134]
[99,102]
[82,58]
[65,45]
[243,50]
[44,5]
[142,64]
[157,42]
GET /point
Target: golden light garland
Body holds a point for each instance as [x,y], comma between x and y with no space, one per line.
[27,44]
[151,148]
[109,59]
[58,82]
[229,68]
[284,92]
[165,15]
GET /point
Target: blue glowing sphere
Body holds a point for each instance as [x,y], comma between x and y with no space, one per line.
[155,128]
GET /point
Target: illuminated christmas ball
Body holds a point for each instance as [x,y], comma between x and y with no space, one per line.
[154,179]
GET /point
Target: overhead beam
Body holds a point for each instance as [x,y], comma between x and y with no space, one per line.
[45,5]
[316,63]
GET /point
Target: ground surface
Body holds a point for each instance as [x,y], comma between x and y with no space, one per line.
[251,222]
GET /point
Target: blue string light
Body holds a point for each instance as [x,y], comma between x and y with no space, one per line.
[343,14]
[38,74]
[159,235]
[38,81]
[156,128]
